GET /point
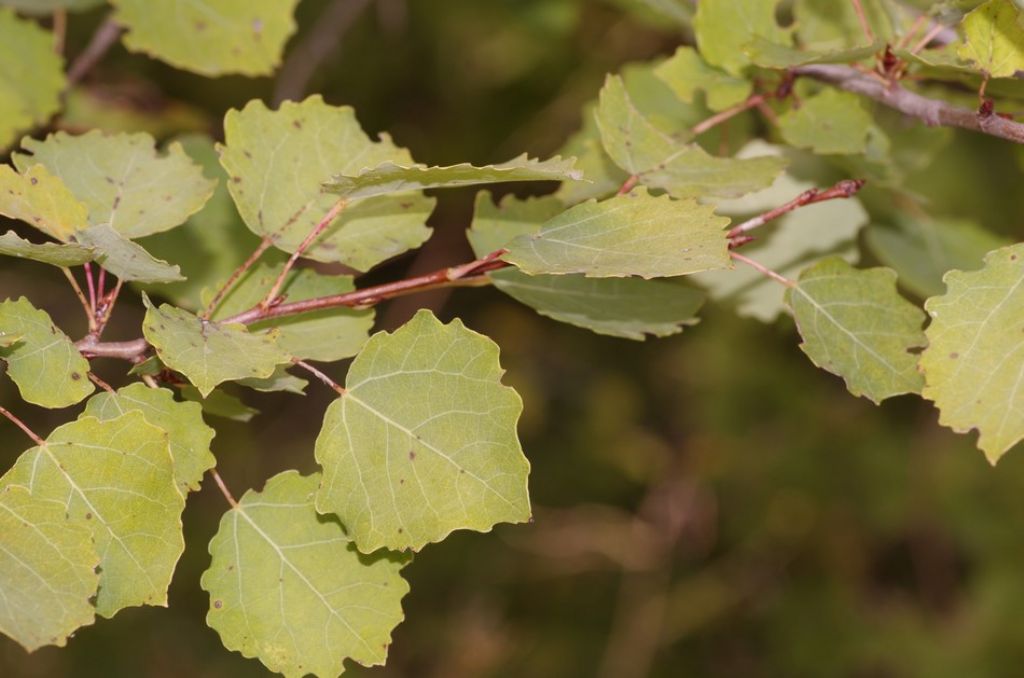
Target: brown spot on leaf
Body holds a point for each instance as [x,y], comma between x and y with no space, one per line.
[412,455]
[34,181]
[75,376]
[218,604]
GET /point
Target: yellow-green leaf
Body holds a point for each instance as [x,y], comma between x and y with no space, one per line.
[994,39]
[724,27]
[423,441]
[974,366]
[47,368]
[42,200]
[288,587]
[628,235]
[124,258]
[828,122]
[856,325]
[47,571]
[278,186]
[187,434]
[210,37]
[207,352]
[31,76]
[687,73]
[122,179]
[117,478]
[55,254]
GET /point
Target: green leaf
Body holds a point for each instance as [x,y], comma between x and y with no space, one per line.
[8,339]
[828,122]
[922,250]
[211,243]
[828,25]
[221,404]
[603,176]
[856,325]
[620,307]
[123,258]
[769,54]
[389,177]
[210,37]
[660,160]
[327,335]
[117,478]
[188,436]
[33,76]
[209,353]
[122,179]
[724,27]
[288,587]
[635,234]
[994,39]
[47,571]
[42,200]
[423,441]
[280,380]
[687,73]
[277,186]
[973,365]
[55,254]
[48,6]
[787,245]
[45,364]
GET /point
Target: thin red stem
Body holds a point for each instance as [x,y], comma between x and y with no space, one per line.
[332,214]
[753,101]
[89,313]
[320,375]
[211,308]
[91,284]
[20,424]
[223,488]
[864,25]
[106,308]
[763,269]
[99,382]
[102,40]
[844,189]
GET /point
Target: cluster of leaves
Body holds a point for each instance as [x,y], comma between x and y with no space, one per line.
[421,440]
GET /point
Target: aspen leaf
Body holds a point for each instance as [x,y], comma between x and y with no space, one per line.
[209,353]
[974,366]
[856,325]
[33,76]
[187,434]
[768,54]
[47,368]
[49,6]
[124,258]
[994,39]
[288,587]
[622,307]
[687,73]
[828,122]
[55,254]
[122,179]
[824,25]
[423,441]
[210,37]
[395,178]
[278,187]
[117,478]
[724,27]
[635,234]
[42,200]
[47,571]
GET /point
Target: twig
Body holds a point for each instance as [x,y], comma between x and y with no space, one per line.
[223,488]
[931,111]
[91,284]
[211,308]
[844,189]
[99,382]
[763,269]
[921,20]
[753,101]
[102,40]
[628,185]
[323,40]
[60,29]
[89,311]
[149,381]
[928,37]
[20,424]
[320,375]
[864,25]
[106,308]
[332,214]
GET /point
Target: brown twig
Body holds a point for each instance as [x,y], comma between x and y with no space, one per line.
[60,29]
[753,101]
[320,375]
[211,308]
[20,424]
[102,40]
[931,111]
[99,382]
[843,189]
[763,269]
[864,25]
[106,308]
[90,313]
[328,219]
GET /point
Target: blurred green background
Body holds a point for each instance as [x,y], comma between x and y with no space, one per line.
[706,505]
